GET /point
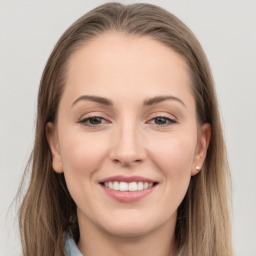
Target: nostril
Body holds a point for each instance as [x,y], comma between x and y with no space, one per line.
[126,162]
[127,154]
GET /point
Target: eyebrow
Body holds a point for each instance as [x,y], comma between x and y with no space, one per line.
[158,99]
[108,102]
[100,100]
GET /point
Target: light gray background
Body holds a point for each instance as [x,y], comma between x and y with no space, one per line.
[227,32]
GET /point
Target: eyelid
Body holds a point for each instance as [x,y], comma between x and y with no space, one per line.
[171,121]
[163,114]
[92,114]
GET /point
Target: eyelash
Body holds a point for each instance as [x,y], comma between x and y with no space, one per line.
[87,121]
[168,121]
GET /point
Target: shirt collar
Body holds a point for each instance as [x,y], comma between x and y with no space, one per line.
[71,247]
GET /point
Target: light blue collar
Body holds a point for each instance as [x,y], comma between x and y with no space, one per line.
[71,247]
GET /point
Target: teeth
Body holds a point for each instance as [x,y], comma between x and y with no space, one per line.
[133,186]
[116,185]
[125,186]
[140,185]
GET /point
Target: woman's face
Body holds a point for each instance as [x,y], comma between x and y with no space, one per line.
[126,135]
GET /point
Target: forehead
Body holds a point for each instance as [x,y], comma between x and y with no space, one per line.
[115,63]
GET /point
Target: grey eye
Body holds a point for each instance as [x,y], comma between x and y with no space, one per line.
[93,121]
[160,120]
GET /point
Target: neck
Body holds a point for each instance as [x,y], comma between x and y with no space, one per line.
[159,242]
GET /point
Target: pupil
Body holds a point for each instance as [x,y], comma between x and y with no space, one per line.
[160,120]
[95,120]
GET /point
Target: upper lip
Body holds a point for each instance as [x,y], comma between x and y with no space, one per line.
[127,179]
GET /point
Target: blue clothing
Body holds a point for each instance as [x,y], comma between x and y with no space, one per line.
[71,247]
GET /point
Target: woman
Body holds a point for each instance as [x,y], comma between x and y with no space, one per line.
[129,157]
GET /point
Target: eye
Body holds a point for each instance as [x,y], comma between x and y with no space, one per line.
[162,121]
[93,121]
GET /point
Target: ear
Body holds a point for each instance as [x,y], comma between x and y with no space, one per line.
[204,136]
[52,138]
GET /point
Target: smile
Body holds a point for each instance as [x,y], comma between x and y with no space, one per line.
[125,186]
[128,189]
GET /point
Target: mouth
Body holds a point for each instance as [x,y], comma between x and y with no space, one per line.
[125,186]
[128,189]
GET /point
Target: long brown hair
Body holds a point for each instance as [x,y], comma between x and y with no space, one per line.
[48,211]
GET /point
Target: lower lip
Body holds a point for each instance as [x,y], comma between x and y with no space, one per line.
[128,196]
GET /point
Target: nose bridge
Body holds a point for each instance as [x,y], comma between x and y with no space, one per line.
[127,146]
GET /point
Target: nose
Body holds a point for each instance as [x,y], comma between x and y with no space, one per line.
[127,148]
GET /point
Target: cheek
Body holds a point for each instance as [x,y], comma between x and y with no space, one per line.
[174,156]
[82,157]
[81,153]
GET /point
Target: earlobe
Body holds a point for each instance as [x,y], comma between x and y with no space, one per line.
[202,146]
[52,139]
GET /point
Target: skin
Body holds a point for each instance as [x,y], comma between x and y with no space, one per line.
[127,140]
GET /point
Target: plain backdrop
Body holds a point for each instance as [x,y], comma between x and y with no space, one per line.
[227,32]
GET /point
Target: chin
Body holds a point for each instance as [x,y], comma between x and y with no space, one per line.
[128,230]
[129,226]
